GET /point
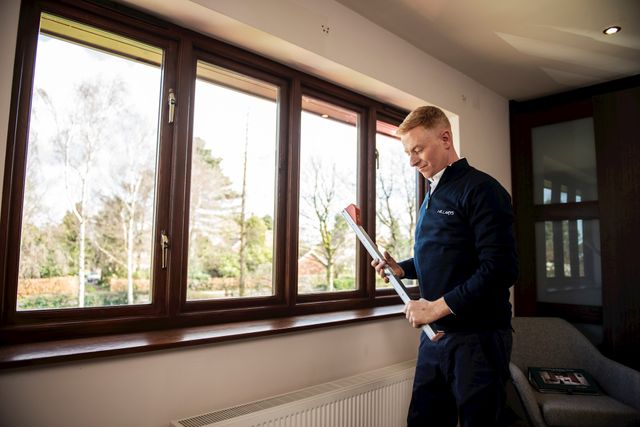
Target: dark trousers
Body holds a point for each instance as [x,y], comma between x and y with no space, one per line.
[462,375]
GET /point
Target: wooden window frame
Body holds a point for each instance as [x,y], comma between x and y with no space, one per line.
[170,309]
[19,326]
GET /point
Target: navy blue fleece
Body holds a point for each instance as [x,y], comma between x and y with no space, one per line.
[465,250]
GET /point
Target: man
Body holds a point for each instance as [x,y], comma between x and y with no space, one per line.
[465,262]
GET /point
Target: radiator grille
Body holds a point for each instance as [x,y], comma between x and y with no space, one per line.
[375,398]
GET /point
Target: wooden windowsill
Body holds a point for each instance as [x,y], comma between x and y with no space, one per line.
[21,355]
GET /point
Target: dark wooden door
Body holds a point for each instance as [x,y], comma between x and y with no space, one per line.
[617,135]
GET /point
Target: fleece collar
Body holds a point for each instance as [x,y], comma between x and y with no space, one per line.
[452,172]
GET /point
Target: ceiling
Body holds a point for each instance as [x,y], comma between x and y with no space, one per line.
[521,49]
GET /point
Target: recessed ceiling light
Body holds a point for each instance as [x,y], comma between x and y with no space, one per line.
[325,116]
[611,30]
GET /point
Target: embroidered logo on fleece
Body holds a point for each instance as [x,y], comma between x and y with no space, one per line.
[443,212]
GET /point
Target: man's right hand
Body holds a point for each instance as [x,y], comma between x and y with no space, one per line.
[389,262]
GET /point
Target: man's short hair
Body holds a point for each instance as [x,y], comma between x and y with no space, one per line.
[426,116]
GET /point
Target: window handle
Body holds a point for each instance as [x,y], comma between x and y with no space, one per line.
[164,244]
[172,105]
[377,159]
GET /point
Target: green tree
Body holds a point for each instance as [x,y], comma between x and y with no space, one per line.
[212,217]
[258,253]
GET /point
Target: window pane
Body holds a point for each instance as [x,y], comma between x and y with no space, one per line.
[568,262]
[396,198]
[550,266]
[566,251]
[87,221]
[546,192]
[580,236]
[232,199]
[564,162]
[328,176]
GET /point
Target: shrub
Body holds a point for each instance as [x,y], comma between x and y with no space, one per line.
[48,286]
[99,299]
[39,302]
[342,283]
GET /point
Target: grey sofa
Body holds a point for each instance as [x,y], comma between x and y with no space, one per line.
[555,343]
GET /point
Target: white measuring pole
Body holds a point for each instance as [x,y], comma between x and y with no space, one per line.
[352,215]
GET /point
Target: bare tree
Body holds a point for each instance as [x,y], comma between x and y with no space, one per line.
[133,176]
[79,140]
[321,201]
[243,205]
[121,229]
[396,207]
[409,192]
[386,211]
[32,252]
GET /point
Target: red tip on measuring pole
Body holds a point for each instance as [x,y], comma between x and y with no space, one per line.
[354,213]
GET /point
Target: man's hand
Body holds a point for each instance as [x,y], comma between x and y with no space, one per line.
[421,312]
[388,261]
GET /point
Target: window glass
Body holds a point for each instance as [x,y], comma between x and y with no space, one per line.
[546,191]
[87,218]
[568,262]
[395,198]
[564,162]
[232,192]
[328,176]
[550,267]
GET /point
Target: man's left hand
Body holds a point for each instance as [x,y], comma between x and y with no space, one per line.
[421,312]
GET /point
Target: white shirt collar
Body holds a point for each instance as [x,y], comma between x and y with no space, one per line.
[435,179]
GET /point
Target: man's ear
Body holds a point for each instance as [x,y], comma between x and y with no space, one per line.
[445,136]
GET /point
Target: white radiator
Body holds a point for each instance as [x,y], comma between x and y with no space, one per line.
[377,398]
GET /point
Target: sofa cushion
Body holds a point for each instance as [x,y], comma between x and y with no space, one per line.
[578,410]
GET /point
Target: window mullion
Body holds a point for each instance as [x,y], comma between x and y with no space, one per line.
[293,193]
[367,197]
[177,143]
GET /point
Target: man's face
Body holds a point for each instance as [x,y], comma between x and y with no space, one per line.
[427,149]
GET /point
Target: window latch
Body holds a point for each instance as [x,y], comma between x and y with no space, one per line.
[377,159]
[172,105]
[164,244]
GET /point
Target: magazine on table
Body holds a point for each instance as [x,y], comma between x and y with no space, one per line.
[563,380]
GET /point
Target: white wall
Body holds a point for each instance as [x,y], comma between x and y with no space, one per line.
[9,10]
[357,54]
[148,390]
